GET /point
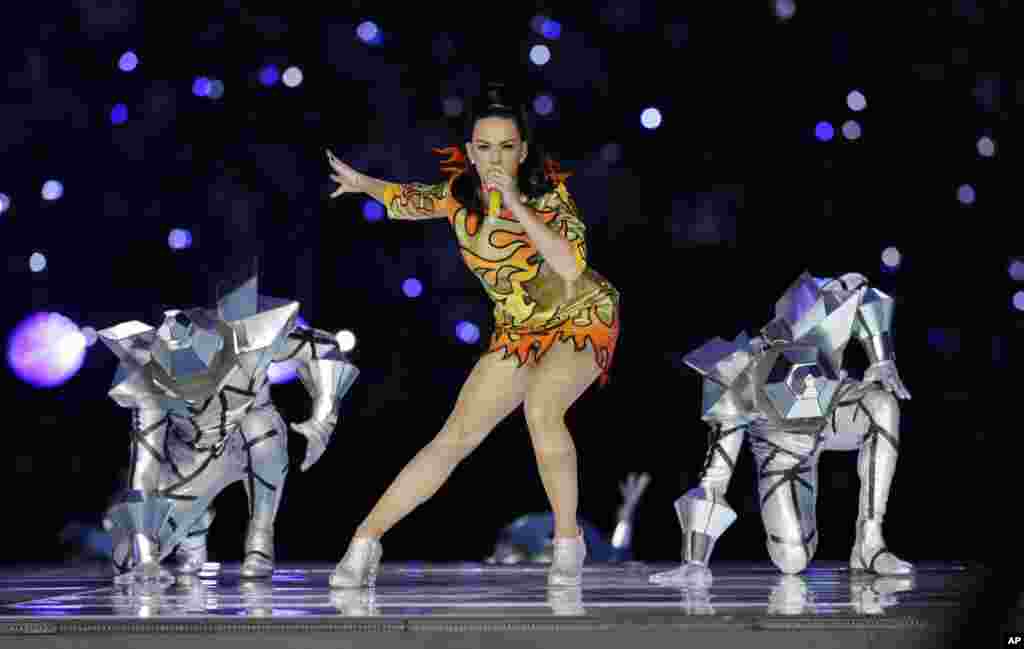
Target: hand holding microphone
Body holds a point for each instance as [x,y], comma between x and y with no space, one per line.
[499,186]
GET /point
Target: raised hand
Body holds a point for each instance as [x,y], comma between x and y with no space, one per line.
[349,180]
[317,438]
[496,178]
[631,490]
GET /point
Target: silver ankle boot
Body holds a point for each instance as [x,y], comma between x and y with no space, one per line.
[359,565]
[870,554]
[259,554]
[567,562]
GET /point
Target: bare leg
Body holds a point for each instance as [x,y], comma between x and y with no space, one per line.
[493,390]
[562,375]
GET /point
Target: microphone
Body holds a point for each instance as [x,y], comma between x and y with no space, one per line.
[495,203]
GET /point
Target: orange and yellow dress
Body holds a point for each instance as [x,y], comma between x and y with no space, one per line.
[533,306]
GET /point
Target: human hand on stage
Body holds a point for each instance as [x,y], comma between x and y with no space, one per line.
[631,490]
[497,178]
[317,437]
[885,372]
[349,180]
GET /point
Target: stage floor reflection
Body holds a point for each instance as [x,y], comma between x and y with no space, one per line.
[421,590]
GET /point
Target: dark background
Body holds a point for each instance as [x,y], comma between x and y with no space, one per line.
[701,224]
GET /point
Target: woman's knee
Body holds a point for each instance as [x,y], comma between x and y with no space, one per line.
[455,441]
[543,418]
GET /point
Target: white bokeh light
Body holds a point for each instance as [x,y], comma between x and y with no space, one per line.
[1017,270]
[785,9]
[216,90]
[52,190]
[292,77]
[856,101]
[37,262]
[367,31]
[346,340]
[891,257]
[650,118]
[986,147]
[851,130]
[5,203]
[1018,300]
[540,54]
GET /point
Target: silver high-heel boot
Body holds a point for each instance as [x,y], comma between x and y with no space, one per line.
[567,562]
[359,565]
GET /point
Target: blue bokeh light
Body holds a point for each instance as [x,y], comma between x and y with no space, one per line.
[373,211]
[412,287]
[824,131]
[551,29]
[369,33]
[201,87]
[179,239]
[119,114]
[52,190]
[269,75]
[128,61]
[467,332]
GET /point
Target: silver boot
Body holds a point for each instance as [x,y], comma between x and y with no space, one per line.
[191,553]
[359,565]
[567,562]
[259,554]
[870,554]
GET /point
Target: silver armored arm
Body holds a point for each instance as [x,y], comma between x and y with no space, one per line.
[327,375]
[873,328]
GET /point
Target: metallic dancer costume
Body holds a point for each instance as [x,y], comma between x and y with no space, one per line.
[202,419]
[533,306]
[528,538]
[787,394]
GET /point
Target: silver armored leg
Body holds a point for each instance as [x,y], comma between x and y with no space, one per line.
[191,553]
[787,467]
[139,525]
[871,423]
[265,454]
[703,513]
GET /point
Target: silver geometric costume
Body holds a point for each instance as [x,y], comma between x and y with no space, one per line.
[786,393]
[202,419]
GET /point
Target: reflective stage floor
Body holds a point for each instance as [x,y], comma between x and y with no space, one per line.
[470,604]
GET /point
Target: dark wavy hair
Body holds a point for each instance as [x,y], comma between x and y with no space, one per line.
[498,101]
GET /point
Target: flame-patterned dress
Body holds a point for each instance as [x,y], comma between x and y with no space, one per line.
[533,306]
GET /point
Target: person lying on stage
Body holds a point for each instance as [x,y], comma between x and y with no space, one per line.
[528,539]
[556,320]
[787,394]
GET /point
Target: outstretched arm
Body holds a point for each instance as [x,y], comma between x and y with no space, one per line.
[413,201]
[327,375]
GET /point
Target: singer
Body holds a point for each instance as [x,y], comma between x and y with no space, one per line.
[527,247]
